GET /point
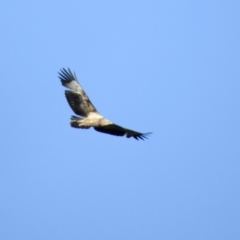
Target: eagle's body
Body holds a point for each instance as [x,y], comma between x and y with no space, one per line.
[92,120]
[89,116]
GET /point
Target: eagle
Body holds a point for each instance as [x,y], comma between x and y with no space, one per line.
[88,116]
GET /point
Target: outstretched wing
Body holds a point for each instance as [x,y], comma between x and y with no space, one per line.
[116,130]
[76,97]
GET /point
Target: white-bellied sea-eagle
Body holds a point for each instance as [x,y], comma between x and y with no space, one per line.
[89,116]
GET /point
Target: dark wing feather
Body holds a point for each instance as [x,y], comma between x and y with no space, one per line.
[116,130]
[76,97]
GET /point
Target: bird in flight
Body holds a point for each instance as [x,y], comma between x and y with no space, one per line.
[89,116]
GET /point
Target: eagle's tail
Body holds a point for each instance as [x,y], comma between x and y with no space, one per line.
[77,122]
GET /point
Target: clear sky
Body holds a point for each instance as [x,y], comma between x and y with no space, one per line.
[169,67]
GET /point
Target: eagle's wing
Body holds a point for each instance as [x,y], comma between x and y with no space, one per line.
[76,97]
[116,130]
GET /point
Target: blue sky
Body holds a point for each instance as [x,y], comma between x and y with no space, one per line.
[169,67]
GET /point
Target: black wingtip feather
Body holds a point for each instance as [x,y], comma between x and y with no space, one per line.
[143,136]
[66,76]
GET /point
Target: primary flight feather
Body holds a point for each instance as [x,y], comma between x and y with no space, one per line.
[89,116]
